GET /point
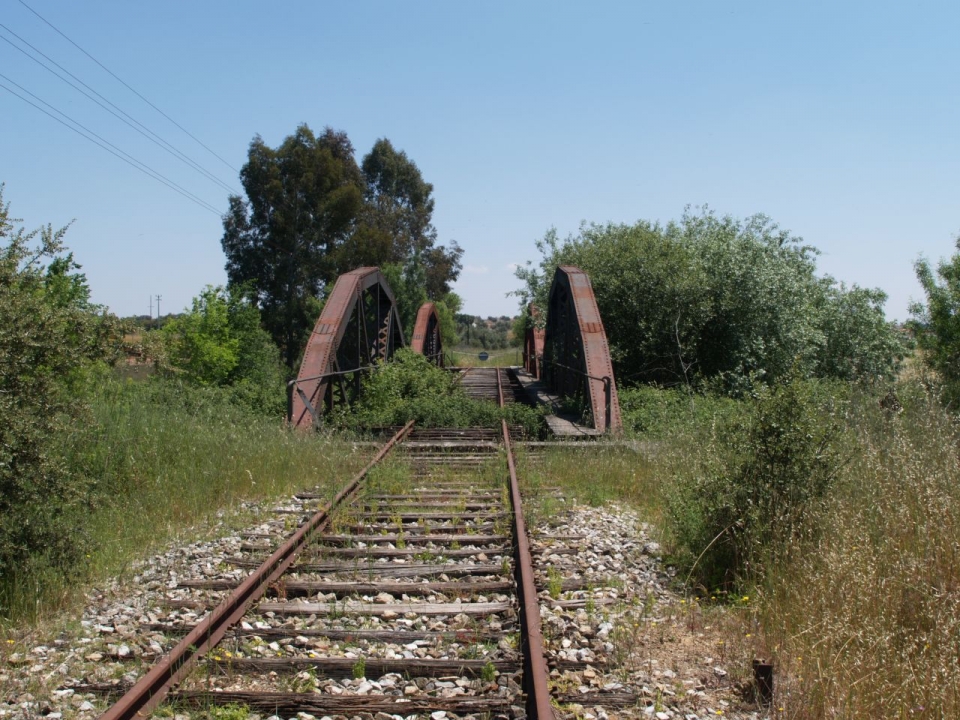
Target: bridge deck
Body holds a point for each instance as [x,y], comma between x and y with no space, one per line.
[562,425]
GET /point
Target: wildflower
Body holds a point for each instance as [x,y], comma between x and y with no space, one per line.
[746,598]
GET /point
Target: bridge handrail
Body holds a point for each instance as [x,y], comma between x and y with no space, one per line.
[294,384]
[606,380]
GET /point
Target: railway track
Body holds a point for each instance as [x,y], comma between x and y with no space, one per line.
[411,594]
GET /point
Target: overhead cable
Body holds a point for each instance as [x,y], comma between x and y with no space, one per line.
[92,137]
[121,81]
[127,119]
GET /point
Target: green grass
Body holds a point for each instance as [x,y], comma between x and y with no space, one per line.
[167,459]
[593,474]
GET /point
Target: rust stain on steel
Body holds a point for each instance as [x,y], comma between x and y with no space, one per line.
[341,309]
[575,337]
[151,689]
[426,334]
[536,675]
[533,343]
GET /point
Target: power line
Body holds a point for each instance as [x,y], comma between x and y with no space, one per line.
[118,79]
[104,140]
[151,173]
[156,139]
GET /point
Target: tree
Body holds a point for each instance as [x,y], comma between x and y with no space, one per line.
[937,323]
[312,214]
[721,302]
[219,341]
[400,201]
[398,219]
[302,203]
[200,343]
[441,267]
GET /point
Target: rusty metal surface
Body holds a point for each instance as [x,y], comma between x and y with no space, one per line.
[533,344]
[151,689]
[358,326]
[576,356]
[536,674]
[426,338]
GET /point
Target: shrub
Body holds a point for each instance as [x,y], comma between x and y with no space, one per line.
[757,481]
[48,334]
[864,620]
[220,342]
[660,412]
[409,387]
[721,301]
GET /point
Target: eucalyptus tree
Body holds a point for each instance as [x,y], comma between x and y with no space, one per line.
[311,213]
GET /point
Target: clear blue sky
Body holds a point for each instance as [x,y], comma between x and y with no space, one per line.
[839,120]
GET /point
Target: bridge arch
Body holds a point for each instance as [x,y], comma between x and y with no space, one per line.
[426,338]
[359,326]
[576,357]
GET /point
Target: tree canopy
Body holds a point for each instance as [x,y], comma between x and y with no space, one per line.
[312,213]
[719,301]
[219,341]
[936,323]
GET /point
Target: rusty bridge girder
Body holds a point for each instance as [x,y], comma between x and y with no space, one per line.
[426,338]
[576,357]
[359,326]
[533,343]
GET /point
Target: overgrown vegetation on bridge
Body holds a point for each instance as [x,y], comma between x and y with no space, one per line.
[411,388]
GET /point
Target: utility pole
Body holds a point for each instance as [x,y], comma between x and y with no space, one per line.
[151,307]
[159,298]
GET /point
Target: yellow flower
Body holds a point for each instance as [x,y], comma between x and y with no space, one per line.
[746,598]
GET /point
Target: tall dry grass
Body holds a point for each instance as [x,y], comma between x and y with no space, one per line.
[864,620]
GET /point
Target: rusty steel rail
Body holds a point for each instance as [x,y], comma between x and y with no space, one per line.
[151,689]
[536,675]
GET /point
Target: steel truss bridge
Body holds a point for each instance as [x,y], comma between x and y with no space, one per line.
[565,346]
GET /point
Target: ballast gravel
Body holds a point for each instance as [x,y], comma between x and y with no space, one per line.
[623,644]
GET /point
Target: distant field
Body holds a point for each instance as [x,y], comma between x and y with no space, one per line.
[470,357]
